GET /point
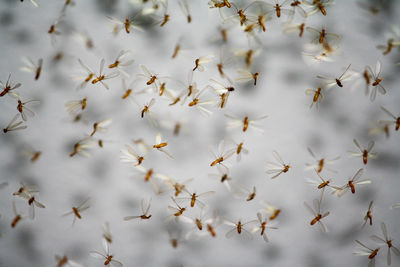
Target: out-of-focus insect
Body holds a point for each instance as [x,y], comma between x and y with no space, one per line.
[368,215]
[223,177]
[248,55]
[75,105]
[321,183]
[26,190]
[152,78]
[177,186]
[150,115]
[318,5]
[149,175]
[238,228]
[82,145]
[190,88]
[364,153]
[239,150]
[87,77]
[130,156]
[386,240]
[219,4]
[32,202]
[376,80]
[200,104]
[277,168]
[222,90]
[159,145]
[109,258]
[296,5]
[31,67]
[380,127]
[183,4]
[25,111]
[53,28]
[33,2]
[14,125]
[175,98]
[366,251]
[198,221]
[100,126]
[263,226]
[194,197]
[317,95]
[245,123]
[339,191]
[76,211]
[9,87]
[33,155]
[176,211]
[246,76]
[317,213]
[258,20]
[240,14]
[371,8]
[320,163]
[279,8]
[163,20]
[393,40]
[294,27]
[395,121]
[119,62]
[225,60]
[176,238]
[240,191]
[127,24]
[201,61]
[330,81]
[18,217]
[128,90]
[322,36]
[107,233]
[221,157]
[101,77]
[145,212]
[64,261]
[271,210]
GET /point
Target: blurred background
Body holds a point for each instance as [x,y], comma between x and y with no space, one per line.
[116,189]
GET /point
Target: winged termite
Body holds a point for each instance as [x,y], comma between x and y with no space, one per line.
[101,126]
[14,125]
[280,8]
[376,80]
[277,169]
[262,227]
[194,197]
[223,91]
[297,6]
[152,78]
[271,210]
[76,211]
[242,192]
[9,87]
[317,95]
[120,62]
[246,76]
[176,238]
[33,155]
[145,212]
[321,54]
[320,163]
[225,60]
[245,123]
[108,257]
[238,228]
[64,261]
[53,28]
[369,252]
[330,81]
[201,61]
[200,104]
[364,153]
[127,24]
[101,77]
[386,240]
[189,89]
[176,211]
[159,145]
[223,177]
[219,4]
[163,19]
[248,55]
[393,40]
[351,184]
[18,217]
[317,213]
[32,202]
[381,127]
[318,5]
[183,4]
[371,8]
[129,90]
[239,150]
[395,121]
[107,233]
[178,187]
[241,15]
[368,215]
[322,36]
[294,27]
[31,67]
[146,110]
[25,111]
[85,78]
[321,183]
[175,98]
[26,190]
[81,146]
[149,175]
[130,156]
[221,157]
[75,105]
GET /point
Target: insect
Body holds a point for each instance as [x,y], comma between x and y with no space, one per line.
[177,186]
[14,125]
[107,233]
[242,192]
[317,213]
[189,89]
[130,156]
[145,212]
[53,28]
[198,221]
[239,150]
[127,24]
[240,14]
[119,62]
[109,258]
[101,77]
[64,261]
[296,5]
[277,168]
[263,226]
[25,111]
[32,202]
[100,126]
[320,163]
[238,228]
[176,211]
[395,121]
[322,36]
[317,95]
[9,87]
[148,175]
[18,217]
[318,5]
[246,76]
[386,240]
[330,81]
[194,197]
[381,127]
[26,190]
[199,104]
[150,115]
[76,211]
[185,10]
[223,177]
[225,60]
[159,145]
[87,77]
[30,66]
[81,146]
[33,155]
[321,183]
[339,191]
[376,80]
[271,210]
[366,251]
[163,20]
[278,8]
[292,27]
[223,91]
[368,215]
[364,153]
[201,61]
[219,4]
[245,123]
[152,79]
[248,55]
[221,157]
[128,90]
[75,105]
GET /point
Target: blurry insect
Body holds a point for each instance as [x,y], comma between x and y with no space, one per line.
[240,14]
[240,191]
[149,175]
[199,62]
[223,91]
[317,213]
[9,87]
[190,87]
[245,123]
[239,150]
[145,212]
[130,156]
[318,96]
[25,190]
[185,10]
[271,210]
[65,262]
[224,61]
[380,127]
[175,98]
[53,28]
[31,67]
[109,258]
[223,177]
[74,105]
[248,55]
[330,81]
[321,183]
[393,40]
[150,115]
[262,228]
[246,76]
[277,169]
[33,155]
[81,146]
[395,121]
[238,228]
[200,104]
[219,3]
[373,8]
[366,251]
[87,77]
[176,238]
[33,2]
[291,27]
[278,8]
[177,211]
[14,125]
[32,202]
[376,80]
[159,145]
[100,126]
[178,187]
[127,24]
[107,233]
[322,36]
[318,5]
[25,111]
[152,78]
[165,17]
[258,20]
[221,157]
[296,5]
[102,77]
[194,197]
[128,90]
[320,163]
[364,152]
[368,215]
[18,217]
[119,62]
[386,240]
[339,191]
[76,211]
